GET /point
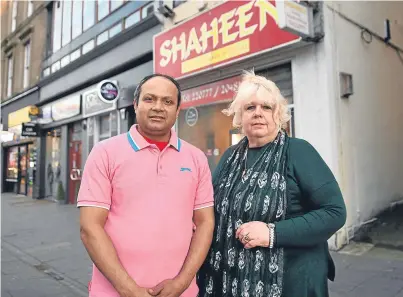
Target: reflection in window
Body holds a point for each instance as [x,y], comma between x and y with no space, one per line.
[57,26]
[77,18]
[115,30]
[55,66]
[89,14]
[132,19]
[88,46]
[102,37]
[64,61]
[115,4]
[103,9]
[66,31]
[27,61]
[75,55]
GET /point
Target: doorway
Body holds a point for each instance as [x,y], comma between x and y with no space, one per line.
[75,170]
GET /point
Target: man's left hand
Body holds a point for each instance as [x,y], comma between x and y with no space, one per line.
[168,288]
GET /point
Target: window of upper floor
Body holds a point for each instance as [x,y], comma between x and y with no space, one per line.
[83,16]
[73,17]
[14,7]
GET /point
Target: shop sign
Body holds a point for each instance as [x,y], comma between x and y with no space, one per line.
[92,104]
[295,17]
[45,114]
[108,91]
[18,117]
[30,129]
[191,116]
[233,30]
[209,93]
[66,108]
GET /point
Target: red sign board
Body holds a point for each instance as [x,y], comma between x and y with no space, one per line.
[230,31]
[209,93]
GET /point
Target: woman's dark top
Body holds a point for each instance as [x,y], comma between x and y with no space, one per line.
[315,211]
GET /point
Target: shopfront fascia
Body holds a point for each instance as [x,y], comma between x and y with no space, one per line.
[70,127]
[209,67]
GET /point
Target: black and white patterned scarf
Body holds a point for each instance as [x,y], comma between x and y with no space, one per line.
[243,195]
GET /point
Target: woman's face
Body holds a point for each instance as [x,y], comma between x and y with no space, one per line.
[257,119]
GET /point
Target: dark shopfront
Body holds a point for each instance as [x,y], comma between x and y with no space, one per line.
[19,155]
[20,168]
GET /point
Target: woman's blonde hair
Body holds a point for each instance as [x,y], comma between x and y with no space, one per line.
[264,89]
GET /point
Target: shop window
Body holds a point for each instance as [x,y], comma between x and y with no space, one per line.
[12,164]
[132,19]
[23,170]
[104,127]
[53,171]
[207,128]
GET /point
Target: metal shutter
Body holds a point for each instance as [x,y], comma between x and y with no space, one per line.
[282,77]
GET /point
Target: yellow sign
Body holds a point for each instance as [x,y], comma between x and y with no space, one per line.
[33,110]
[18,117]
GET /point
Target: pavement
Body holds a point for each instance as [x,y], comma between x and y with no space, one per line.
[42,256]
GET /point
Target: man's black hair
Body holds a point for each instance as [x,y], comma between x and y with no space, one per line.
[148,77]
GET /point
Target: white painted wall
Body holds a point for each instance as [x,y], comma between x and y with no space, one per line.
[369,133]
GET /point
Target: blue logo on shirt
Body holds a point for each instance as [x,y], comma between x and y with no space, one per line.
[186,169]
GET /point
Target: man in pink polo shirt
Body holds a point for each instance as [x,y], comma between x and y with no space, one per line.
[141,194]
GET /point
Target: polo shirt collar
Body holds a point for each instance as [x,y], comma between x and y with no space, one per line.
[137,141]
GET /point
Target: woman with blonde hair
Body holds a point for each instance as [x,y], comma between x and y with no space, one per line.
[276,205]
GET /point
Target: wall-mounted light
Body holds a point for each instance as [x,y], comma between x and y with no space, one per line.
[346,85]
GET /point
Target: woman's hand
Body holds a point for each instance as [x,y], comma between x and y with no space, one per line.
[253,234]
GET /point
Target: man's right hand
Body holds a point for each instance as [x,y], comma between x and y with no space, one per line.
[133,291]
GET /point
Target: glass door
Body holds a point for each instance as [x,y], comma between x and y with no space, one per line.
[22,180]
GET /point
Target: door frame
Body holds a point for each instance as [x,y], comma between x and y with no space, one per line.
[19,169]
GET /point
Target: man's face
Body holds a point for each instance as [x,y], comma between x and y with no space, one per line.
[157,109]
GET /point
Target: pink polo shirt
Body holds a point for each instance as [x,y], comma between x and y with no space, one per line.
[151,196]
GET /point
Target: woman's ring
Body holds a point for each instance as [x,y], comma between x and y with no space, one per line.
[246,237]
